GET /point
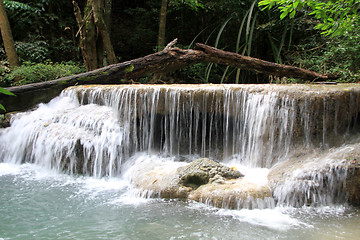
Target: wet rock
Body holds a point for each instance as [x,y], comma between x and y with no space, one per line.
[352,186]
[202,180]
[234,194]
[328,177]
[204,170]
[5,119]
[158,181]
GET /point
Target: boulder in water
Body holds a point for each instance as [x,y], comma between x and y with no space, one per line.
[203,180]
[5,119]
[233,194]
[318,179]
[203,170]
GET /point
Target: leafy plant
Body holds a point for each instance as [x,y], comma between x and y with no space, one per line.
[336,50]
[34,51]
[336,17]
[18,6]
[244,42]
[194,5]
[6,92]
[336,55]
[39,72]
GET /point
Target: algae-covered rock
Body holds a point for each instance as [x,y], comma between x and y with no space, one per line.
[202,180]
[5,120]
[203,171]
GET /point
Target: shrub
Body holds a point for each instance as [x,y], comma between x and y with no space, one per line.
[339,56]
[40,72]
[35,51]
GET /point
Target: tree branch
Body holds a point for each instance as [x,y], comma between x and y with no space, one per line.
[167,60]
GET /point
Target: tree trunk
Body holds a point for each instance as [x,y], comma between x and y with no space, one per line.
[94,33]
[215,55]
[107,13]
[162,24]
[7,37]
[167,60]
[87,36]
[102,29]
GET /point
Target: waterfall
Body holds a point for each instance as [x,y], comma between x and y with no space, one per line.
[94,130]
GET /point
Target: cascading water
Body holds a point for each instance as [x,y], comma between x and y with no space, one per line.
[93,130]
[104,131]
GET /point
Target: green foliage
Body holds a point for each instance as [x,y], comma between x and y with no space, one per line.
[39,72]
[338,55]
[337,51]
[6,92]
[34,51]
[336,17]
[18,6]
[245,22]
[191,74]
[43,29]
[194,5]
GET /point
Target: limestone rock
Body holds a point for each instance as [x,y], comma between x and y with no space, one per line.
[233,194]
[203,170]
[159,181]
[202,180]
[352,186]
[329,177]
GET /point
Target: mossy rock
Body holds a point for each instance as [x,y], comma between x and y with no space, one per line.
[202,170]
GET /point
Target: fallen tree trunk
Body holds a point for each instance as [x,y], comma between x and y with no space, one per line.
[168,60]
[257,65]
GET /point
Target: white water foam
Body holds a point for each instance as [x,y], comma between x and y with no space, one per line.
[275,218]
[142,163]
[9,169]
[254,175]
[270,218]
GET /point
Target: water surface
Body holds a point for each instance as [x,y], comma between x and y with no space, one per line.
[36,203]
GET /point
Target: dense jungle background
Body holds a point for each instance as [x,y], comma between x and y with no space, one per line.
[60,38]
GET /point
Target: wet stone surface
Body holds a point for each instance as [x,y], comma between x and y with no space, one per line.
[203,171]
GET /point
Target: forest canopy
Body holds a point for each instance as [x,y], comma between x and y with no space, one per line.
[321,36]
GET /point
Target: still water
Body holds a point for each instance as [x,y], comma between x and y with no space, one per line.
[37,203]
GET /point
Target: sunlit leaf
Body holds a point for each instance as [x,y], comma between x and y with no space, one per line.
[292,14]
[283,15]
[6,92]
[2,108]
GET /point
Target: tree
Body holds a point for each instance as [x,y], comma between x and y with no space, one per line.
[336,17]
[7,37]
[95,42]
[162,24]
[193,4]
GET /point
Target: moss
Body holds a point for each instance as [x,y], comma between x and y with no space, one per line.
[86,78]
[63,82]
[129,68]
[82,79]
